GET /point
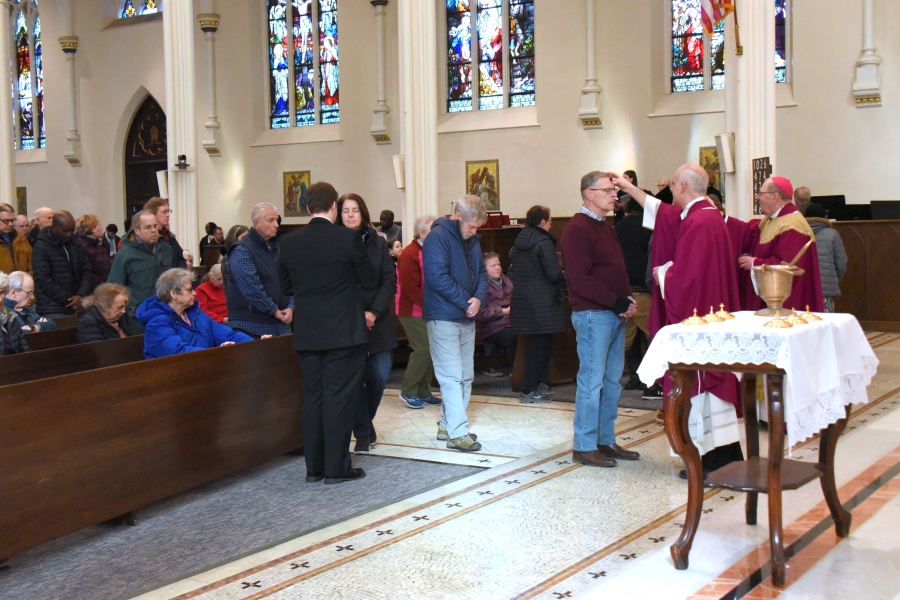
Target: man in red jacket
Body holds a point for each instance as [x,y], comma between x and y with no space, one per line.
[416,389]
[601,300]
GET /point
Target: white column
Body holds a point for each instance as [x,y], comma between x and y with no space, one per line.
[181,122]
[750,101]
[380,114]
[69,45]
[867,86]
[7,154]
[418,85]
[209,24]
[591,112]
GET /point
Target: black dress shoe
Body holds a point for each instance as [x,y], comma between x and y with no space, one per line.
[362,445]
[617,451]
[351,475]
[592,459]
[634,384]
[683,474]
[314,478]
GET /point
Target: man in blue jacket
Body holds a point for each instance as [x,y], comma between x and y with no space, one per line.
[456,286]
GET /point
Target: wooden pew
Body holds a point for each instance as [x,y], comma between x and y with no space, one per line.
[84,448]
[45,340]
[31,366]
[211,255]
[66,322]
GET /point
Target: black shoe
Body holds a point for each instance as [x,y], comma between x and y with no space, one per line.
[634,384]
[683,474]
[351,475]
[362,445]
[314,478]
[653,393]
[373,437]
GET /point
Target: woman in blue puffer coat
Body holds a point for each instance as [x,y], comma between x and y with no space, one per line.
[175,324]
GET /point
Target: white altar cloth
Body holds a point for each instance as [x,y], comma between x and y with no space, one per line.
[828,363]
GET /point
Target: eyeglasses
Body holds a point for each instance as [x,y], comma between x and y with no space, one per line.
[31,293]
[611,190]
[7,221]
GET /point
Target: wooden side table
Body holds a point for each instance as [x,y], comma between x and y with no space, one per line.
[754,475]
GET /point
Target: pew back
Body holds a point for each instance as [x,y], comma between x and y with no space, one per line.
[84,448]
[44,340]
[42,364]
[66,322]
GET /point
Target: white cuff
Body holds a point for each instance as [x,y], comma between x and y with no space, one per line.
[661,278]
[651,207]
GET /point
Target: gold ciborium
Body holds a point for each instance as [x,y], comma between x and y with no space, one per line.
[774,284]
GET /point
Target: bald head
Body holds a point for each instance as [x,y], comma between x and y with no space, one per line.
[23,225]
[802,195]
[63,225]
[43,217]
[690,182]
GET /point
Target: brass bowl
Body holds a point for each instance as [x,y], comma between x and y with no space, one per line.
[774,283]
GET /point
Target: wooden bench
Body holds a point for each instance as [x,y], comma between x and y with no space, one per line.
[66,322]
[88,447]
[65,360]
[45,340]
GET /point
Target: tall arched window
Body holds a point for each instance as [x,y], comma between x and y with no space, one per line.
[28,77]
[134,8]
[303,84]
[494,68]
[698,60]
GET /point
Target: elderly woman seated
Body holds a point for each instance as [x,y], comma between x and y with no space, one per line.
[12,338]
[211,295]
[175,324]
[492,324]
[104,315]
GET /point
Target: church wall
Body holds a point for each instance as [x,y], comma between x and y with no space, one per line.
[825,142]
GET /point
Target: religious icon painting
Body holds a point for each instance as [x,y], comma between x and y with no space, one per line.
[709,160]
[21,201]
[483,180]
[296,183]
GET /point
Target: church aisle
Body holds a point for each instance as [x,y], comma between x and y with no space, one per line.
[542,527]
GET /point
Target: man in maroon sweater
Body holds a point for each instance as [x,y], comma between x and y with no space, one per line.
[601,301]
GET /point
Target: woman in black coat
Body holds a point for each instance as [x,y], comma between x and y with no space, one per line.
[103,318]
[353,214]
[537,307]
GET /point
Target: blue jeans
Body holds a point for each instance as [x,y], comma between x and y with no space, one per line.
[453,355]
[378,371]
[600,335]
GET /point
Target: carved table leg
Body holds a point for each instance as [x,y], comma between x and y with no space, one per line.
[776,452]
[827,445]
[751,428]
[677,405]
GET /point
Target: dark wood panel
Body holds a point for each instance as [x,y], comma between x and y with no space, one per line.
[500,241]
[66,322]
[84,448]
[45,340]
[870,288]
[31,366]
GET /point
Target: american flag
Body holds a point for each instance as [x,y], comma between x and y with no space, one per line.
[713,11]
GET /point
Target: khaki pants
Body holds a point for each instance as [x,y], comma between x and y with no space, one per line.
[639,320]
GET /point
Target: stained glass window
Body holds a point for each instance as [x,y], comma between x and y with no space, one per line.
[27,77]
[687,46]
[490,54]
[521,53]
[459,56]
[133,8]
[23,84]
[717,57]
[128,10]
[150,7]
[294,58]
[39,82]
[780,41]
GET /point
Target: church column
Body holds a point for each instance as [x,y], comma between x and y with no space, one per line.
[209,24]
[749,101]
[867,86]
[69,45]
[380,119]
[181,121]
[418,86]
[7,154]
[591,112]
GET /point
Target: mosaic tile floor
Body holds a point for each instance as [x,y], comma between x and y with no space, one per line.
[540,526]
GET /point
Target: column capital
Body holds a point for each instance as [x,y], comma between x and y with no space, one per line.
[378,2]
[209,22]
[68,43]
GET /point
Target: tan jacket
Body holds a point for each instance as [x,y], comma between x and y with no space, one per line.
[17,259]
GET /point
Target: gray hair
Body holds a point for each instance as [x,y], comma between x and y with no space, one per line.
[423,224]
[136,219]
[694,177]
[471,209]
[260,209]
[216,269]
[4,283]
[173,280]
[17,279]
[591,178]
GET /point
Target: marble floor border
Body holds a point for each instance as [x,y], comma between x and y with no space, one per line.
[888,338]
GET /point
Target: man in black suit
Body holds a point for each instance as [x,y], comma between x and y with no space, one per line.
[325,268]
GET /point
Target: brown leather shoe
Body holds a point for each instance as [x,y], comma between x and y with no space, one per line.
[617,451]
[592,458]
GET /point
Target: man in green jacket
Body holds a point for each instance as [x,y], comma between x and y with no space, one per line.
[141,261]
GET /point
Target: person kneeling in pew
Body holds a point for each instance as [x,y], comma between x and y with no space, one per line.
[175,324]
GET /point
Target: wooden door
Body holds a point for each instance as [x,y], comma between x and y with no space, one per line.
[145,154]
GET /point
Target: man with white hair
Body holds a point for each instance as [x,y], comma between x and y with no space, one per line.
[456,287]
[18,301]
[699,274]
[256,304]
[43,217]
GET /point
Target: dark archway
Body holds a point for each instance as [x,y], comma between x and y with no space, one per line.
[145,154]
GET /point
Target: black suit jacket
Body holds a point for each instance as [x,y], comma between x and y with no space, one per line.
[325,268]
